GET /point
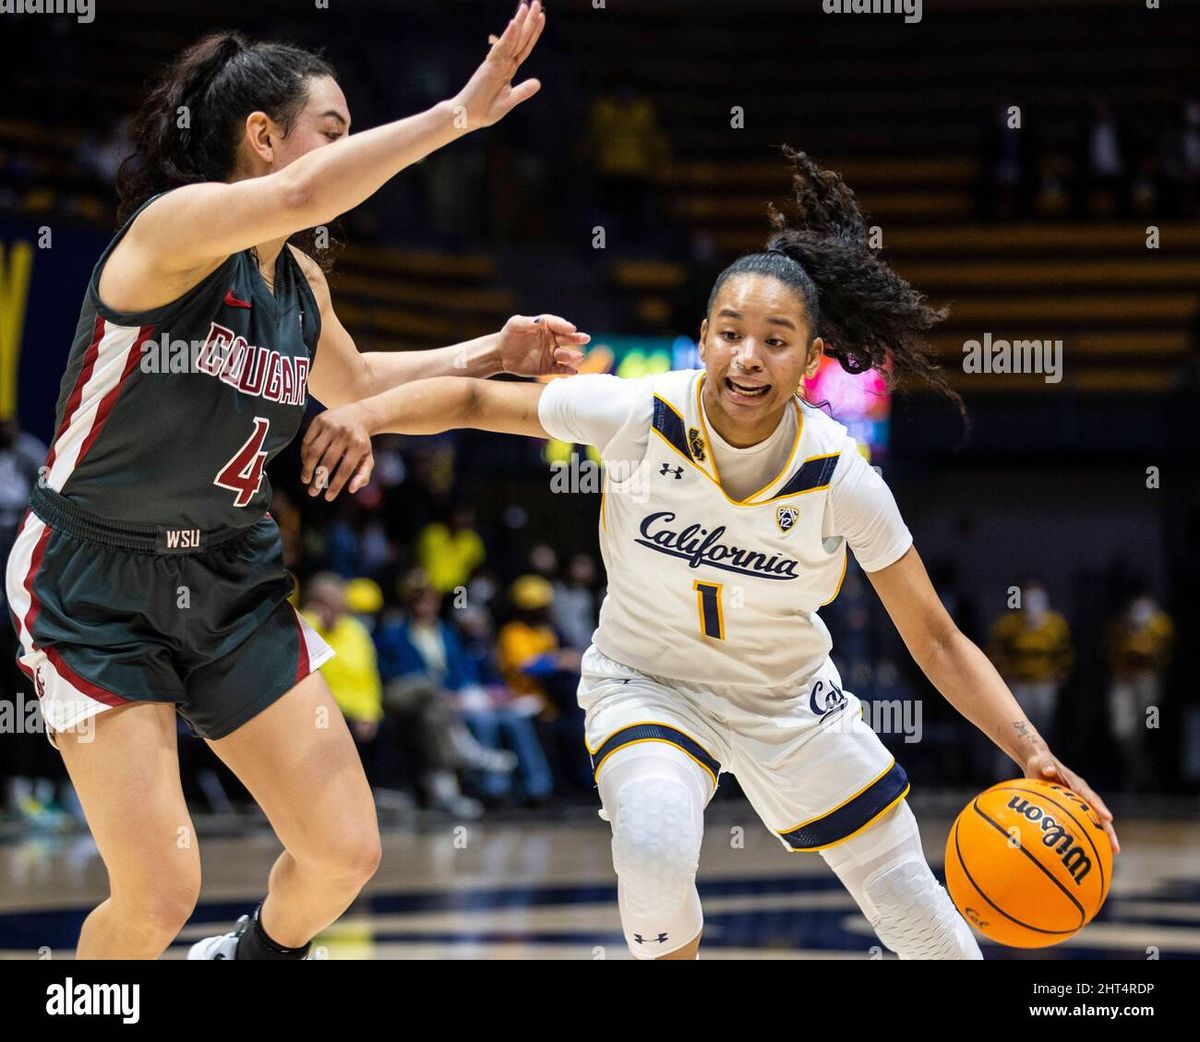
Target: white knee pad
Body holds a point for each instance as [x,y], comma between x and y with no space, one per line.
[656,806]
[885,870]
[914,915]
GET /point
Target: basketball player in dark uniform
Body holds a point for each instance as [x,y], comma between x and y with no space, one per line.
[147,576]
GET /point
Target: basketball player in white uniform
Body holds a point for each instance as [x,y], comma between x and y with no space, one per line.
[730,505]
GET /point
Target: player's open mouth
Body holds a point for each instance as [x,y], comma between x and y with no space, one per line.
[747,390]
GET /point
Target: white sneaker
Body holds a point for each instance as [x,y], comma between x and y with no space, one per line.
[225,946]
[222,947]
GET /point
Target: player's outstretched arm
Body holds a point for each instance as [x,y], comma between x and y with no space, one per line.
[547,344]
[967,679]
[192,226]
[337,446]
[525,346]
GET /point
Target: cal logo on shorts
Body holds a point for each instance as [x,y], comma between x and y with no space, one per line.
[178,540]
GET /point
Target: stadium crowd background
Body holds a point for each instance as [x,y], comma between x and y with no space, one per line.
[459,589]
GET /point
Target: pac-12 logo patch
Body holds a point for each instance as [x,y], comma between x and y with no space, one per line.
[785,517]
[696,444]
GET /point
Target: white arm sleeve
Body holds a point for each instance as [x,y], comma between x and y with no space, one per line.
[592,409]
[862,510]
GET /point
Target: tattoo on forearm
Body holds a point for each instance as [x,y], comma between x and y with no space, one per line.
[1024,730]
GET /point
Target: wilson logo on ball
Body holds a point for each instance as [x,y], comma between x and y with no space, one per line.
[1074,858]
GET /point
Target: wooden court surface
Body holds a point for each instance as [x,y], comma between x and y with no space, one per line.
[542,887]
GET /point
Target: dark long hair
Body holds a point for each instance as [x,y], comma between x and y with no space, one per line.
[218,82]
[868,316]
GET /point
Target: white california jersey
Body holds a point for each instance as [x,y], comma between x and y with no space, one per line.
[706,589]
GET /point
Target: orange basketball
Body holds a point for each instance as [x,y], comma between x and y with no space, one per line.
[1028,863]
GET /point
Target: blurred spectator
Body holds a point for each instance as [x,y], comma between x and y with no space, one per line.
[533,662]
[495,716]
[376,551]
[342,550]
[483,587]
[1031,648]
[574,605]
[21,456]
[543,561]
[422,663]
[32,770]
[1009,167]
[352,674]
[628,150]
[1137,645]
[1181,164]
[450,551]
[99,155]
[424,645]
[529,649]
[1103,162]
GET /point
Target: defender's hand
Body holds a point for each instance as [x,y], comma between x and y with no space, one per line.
[539,346]
[489,94]
[336,449]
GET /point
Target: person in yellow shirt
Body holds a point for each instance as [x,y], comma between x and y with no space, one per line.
[352,675]
[450,551]
[1031,649]
[629,152]
[528,646]
[532,661]
[1137,645]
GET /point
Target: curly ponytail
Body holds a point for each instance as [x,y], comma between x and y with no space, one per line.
[868,316]
[191,123]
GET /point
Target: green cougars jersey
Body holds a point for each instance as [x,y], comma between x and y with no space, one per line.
[169,416]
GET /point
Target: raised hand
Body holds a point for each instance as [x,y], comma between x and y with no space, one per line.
[489,94]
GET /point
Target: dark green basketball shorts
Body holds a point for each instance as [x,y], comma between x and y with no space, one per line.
[110,613]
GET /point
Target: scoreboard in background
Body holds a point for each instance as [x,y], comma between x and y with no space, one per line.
[862,402]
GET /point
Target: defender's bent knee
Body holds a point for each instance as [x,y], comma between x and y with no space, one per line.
[349,858]
[158,909]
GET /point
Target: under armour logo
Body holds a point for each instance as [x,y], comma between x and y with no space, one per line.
[660,939]
[668,469]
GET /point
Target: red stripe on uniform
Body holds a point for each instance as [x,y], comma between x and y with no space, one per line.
[110,399]
[302,666]
[81,683]
[35,562]
[85,374]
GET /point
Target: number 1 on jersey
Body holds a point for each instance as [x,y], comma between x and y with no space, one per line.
[244,473]
[708,601]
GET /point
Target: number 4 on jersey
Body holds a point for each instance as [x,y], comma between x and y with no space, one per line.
[244,473]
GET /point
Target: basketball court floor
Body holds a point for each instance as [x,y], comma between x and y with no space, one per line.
[542,887]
